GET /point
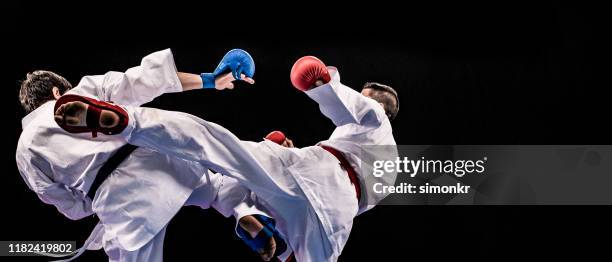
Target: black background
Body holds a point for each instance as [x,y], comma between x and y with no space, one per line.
[466,74]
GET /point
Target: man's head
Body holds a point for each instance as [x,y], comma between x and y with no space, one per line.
[385,95]
[41,86]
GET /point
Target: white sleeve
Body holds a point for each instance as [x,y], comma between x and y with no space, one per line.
[156,75]
[73,203]
[343,105]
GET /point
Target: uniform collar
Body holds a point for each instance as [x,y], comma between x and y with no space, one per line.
[29,117]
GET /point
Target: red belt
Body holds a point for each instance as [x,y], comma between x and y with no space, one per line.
[349,169]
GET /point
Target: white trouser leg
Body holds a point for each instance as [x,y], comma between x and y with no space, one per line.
[150,252]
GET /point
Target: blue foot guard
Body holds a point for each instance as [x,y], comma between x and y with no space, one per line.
[261,239]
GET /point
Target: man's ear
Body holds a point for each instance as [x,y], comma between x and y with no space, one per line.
[56,93]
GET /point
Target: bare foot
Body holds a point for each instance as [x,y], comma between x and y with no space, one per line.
[253,226]
[75,114]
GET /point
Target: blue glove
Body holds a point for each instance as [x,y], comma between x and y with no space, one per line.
[237,61]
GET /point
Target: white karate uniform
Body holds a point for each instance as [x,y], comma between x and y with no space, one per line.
[143,193]
[304,189]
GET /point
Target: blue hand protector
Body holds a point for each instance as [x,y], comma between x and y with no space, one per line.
[237,61]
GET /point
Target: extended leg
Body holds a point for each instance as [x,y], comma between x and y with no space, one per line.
[185,136]
[189,137]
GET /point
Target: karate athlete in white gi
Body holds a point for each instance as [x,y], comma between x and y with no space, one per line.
[309,191]
[136,202]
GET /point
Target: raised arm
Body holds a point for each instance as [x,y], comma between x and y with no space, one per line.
[339,103]
[222,81]
[157,75]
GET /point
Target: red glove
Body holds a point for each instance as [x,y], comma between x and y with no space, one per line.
[276,137]
[306,71]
